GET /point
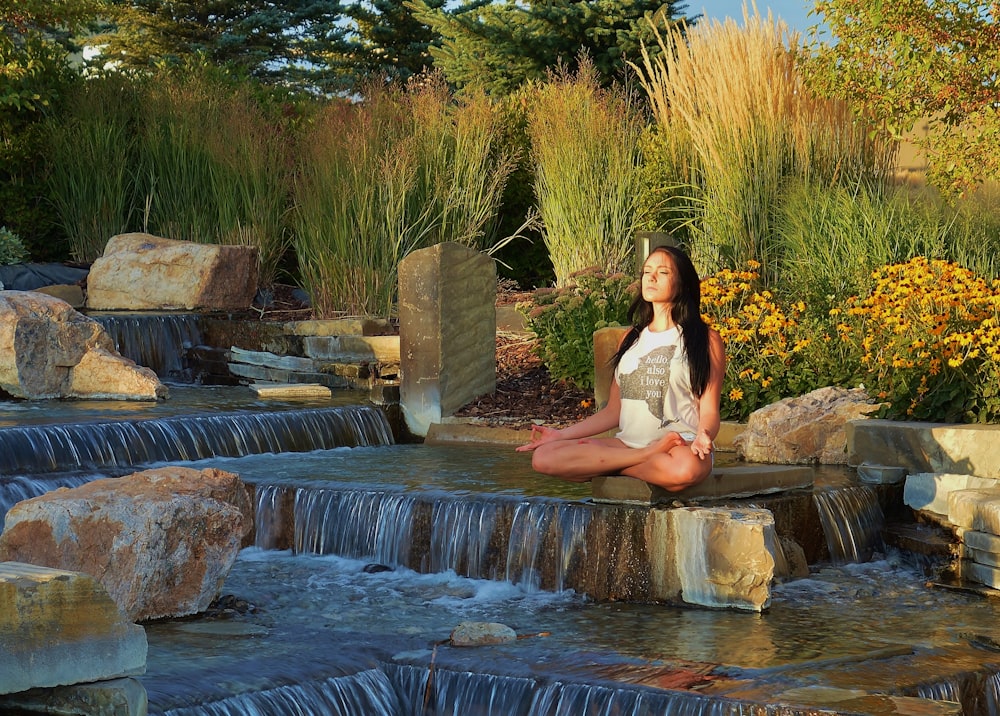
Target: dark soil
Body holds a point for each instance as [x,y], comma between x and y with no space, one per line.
[525,392]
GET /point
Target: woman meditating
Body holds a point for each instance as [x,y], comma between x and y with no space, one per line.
[664,399]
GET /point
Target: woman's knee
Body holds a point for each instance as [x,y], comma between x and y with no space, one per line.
[675,474]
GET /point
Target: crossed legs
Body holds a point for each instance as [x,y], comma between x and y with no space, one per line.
[669,462]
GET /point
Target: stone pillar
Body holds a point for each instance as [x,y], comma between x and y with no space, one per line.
[606,342]
[447,332]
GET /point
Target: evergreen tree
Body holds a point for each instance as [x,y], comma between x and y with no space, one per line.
[282,41]
[503,44]
[393,44]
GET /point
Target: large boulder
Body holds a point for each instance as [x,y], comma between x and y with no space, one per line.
[811,428]
[49,350]
[160,541]
[145,272]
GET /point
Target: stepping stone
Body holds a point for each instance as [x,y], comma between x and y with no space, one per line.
[291,390]
[735,481]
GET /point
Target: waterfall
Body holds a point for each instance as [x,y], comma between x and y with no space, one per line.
[528,528]
[367,692]
[852,521]
[16,488]
[461,534]
[49,448]
[444,692]
[158,341]
[538,544]
[355,523]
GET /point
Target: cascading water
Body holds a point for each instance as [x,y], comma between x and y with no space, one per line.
[473,534]
[852,520]
[159,341]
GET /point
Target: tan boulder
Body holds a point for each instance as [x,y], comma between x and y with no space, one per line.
[145,272]
[161,541]
[811,428]
[49,350]
[59,627]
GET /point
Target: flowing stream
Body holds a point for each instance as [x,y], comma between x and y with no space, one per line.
[368,554]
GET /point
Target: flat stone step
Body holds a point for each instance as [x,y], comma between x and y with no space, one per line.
[271,360]
[291,390]
[737,481]
[277,375]
[59,628]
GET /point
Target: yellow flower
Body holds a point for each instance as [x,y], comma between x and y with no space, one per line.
[735,394]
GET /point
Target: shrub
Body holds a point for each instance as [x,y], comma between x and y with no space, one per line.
[768,354]
[12,250]
[564,319]
[928,333]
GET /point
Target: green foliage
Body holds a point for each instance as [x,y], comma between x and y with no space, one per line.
[504,44]
[564,319]
[197,158]
[253,38]
[907,60]
[393,43]
[12,249]
[524,259]
[384,177]
[93,149]
[585,146]
[833,238]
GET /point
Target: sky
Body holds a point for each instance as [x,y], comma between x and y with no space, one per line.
[793,12]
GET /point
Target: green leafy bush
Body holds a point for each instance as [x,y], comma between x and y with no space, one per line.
[564,319]
[12,250]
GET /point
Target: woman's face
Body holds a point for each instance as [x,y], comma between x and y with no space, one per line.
[659,277]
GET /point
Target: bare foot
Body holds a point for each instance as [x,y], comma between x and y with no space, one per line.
[668,442]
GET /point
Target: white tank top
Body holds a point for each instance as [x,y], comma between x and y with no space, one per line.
[655,382]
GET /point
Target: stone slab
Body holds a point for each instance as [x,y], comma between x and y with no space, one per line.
[271,360]
[291,390]
[444,433]
[113,697]
[929,491]
[926,447]
[981,573]
[277,375]
[881,474]
[59,627]
[737,481]
[989,559]
[352,349]
[982,541]
[977,510]
[348,326]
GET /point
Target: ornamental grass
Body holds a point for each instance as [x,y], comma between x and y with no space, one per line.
[734,95]
[381,178]
[585,149]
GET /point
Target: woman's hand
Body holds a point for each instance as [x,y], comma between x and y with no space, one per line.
[702,445]
[540,434]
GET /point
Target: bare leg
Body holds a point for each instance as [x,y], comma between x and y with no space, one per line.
[673,470]
[581,460]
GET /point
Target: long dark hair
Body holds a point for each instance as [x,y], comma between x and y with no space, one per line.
[685,311]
